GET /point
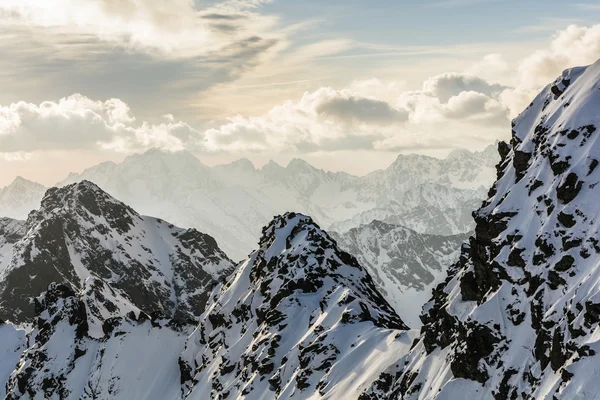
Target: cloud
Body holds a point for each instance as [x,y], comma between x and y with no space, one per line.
[491,67]
[573,46]
[449,110]
[77,122]
[450,84]
[378,89]
[348,108]
[177,28]
[456,96]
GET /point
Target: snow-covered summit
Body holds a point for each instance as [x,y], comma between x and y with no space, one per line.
[81,231]
[20,197]
[293,322]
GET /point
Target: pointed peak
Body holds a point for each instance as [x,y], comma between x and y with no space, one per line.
[20,181]
[242,164]
[88,198]
[299,164]
[276,234]
[272,167]
[459,153]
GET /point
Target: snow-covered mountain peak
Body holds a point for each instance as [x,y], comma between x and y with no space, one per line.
[242,164]
[300,165]
[87,200]
[81,231]
[291,321]
[20,197]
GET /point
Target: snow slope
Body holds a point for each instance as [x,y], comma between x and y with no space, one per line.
[12,345]
[518,315]
[80,231]
[300,319]
[404,264]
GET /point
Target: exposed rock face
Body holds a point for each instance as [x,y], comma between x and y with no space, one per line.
[517,316]
[293,321]
[405,265]
[80,231]
[131,356]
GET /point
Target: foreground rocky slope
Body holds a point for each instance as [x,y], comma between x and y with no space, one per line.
[300,319]
[405,265]
[80,231]
[518,315]
[74,355]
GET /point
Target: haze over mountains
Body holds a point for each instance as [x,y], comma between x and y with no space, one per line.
[232,202]
[143,309]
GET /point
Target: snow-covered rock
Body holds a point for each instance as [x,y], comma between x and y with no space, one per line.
[404,264]
[132,356]
[518,315]
[299,319]
[80,231]
[20,197]
[12,344]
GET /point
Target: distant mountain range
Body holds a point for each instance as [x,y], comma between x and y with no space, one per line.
[232,202]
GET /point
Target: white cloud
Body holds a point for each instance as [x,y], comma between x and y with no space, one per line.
[77,122]
[378,89]
[177,27]
[573,46]
[450,110]
[491,67]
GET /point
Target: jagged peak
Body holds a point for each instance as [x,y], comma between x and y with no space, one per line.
[294,248]
[300,164]
[278,235]
[242,164]
[19,181]
[86,199]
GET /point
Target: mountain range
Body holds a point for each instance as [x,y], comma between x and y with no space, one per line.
[233,202]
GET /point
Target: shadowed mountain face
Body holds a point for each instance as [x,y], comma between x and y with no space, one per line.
[80,231]
[518,315]
[404,264]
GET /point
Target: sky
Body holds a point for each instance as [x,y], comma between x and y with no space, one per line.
[346,85]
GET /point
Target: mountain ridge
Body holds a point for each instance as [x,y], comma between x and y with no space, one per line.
[80,230]
[517,315]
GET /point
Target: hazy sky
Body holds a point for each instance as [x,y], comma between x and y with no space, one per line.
[346,85]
